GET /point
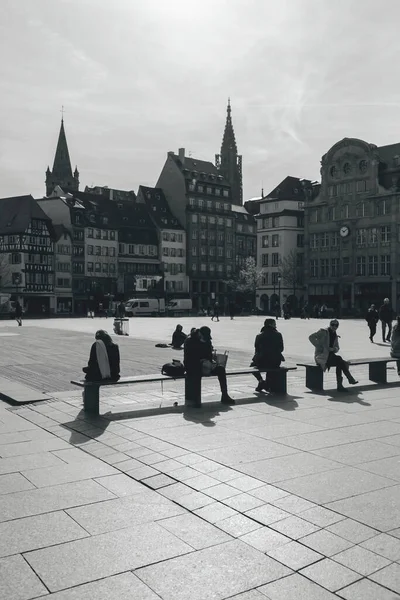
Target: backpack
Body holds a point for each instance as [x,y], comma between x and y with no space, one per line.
[173,369]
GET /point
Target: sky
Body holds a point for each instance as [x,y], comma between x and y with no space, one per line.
[139,78]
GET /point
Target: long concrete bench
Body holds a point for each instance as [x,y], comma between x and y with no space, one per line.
[376,371]
[91,396]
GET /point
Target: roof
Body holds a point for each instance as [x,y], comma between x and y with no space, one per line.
[241,214]
[62,164]
[17,212]
[291,188]
[138,235]
[158,207]
[192,166]
[387,153]
[111,193]
[60,230]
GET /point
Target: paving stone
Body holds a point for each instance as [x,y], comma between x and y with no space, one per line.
[142,472]
[50,476]
[153,458]
[214,573]
[129,465]
[352,530]
[265,539]
[296,587]
[295,555]
[215,512]
[190,458]
[28,461]
[293,504]
[326,542]
[198,482]
[115,458]
[18,581]
[158,481]
[385,545]
[359,452]
[225,474]
[34,447]
[168,466]
[14,482]
[194,500]
[195,531]
[120,485]
[321,516]
[100,556]
[330,574]
[245,483]
[252,595]
[267,514]
[39,531]
[361,560]
[367,590]
[268,493]
[294,527]
[238,525]
[174,452]
[102,517]
[221,491]
[243,502]
[58,497]
[388,577]
[206,466]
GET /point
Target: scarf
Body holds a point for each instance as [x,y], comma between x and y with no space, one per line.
[102,359]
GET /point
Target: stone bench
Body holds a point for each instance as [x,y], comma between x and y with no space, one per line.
[376,371]
[91,396]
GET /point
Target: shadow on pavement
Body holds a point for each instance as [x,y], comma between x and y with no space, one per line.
[86,425]
[204,417]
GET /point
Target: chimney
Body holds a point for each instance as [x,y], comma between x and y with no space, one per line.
[181,154]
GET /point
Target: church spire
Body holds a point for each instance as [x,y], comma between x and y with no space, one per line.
[229,162]
[61,174]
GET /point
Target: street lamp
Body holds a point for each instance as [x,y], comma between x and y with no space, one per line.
[279,290]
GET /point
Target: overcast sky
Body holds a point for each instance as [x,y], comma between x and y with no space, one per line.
[141,77]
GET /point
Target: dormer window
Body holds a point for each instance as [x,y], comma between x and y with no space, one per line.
[148,195]
[92,218]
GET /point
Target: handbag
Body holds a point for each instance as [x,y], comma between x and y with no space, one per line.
[207,367]
[221,359]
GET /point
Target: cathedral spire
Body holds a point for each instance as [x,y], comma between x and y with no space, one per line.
[61,174]
[228,161]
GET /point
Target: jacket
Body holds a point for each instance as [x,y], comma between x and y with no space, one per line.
[93,371]
[386,313]
[268,347]
[178,337]
[395,342]
[372,316]
[194,351]
[320,340]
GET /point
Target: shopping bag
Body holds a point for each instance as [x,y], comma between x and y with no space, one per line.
[221,359]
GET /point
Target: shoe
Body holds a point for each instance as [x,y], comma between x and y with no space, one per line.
[260,386]
[227,400]
[388,339]
[340,388]
[352,381]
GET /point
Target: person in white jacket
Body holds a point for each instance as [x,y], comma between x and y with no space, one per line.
[326,345]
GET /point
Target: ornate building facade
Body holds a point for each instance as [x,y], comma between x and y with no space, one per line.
[229,162]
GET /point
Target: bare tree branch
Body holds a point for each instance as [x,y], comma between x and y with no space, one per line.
[291,271]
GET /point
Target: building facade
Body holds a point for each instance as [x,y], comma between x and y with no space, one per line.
[200,199]
[245,235]
[62,301]
[229,162]
[27,241]
[352,228]
[172,241]
[280,245]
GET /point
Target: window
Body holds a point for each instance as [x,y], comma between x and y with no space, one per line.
[264,279]
[15,259]
[200,202]
[314,241]
[195,234]
[79,250]
[165,236]
[373,235]
[324,265]
[332,190]
[221,238]
[217,191]
[361,237]
[332,213]
[225,193]
[105,235]
[165,251]
[372,265]
[209,204]
[90,266]
[211,220]
[275,221]
[382,207]
[385,234]
[179,237]
[334,239]
[221,252]
[90,249]
[194,266]
[121,248]
[98,250]
[105,267]
[203,234]
[334,267]
[300,221]
[98,267]
[265,240]
[200,188]
[239,227]
[203,220]
[141,249]
[98,234]
[104,251]
[275,241]
[315,215]
[346,265]
[362,209]
[90,232]
[229,253]
[192,201]
[203,267]
[275,259]
[78,236]
[229,238]
[112,235]
[385,264]
[361,186]
[361,265]
[191,187]
[264,260]
[112,268]
[345,211]
[363,166]
[324,240]
[209,190]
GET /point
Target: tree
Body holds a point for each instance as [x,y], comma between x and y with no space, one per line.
[292,271]
[247,279]
[5,273]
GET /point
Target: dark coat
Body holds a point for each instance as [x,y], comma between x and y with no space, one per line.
[386,313]
[194,351]
[372,317]
[178,337]
[268,348]
[93,371]
[18,310]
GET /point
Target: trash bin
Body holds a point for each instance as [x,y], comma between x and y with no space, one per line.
[121,326]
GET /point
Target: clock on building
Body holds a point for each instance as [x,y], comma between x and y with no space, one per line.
[344,231]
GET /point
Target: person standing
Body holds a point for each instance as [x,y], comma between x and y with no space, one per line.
[232,310]
[268,347]
[386,317]
[18,313]
[216,312]
[372,319]
[395,344]
[326,345]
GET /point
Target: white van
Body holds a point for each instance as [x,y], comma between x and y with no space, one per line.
[144,306]
[179,305]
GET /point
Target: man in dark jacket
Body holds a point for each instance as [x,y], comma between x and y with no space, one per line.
[372,319]
[198,347]
[268,352]
[386,317]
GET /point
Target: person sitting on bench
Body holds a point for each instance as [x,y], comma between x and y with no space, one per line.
[268,352]
[178,338]
[104,362]
[326,345]
[198,349]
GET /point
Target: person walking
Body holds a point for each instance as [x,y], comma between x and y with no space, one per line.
[386,317]
[216,312]
[326,345]
[18,313]
[372,319]
[198,356]
[232,308]
[268,347]
[395,344]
